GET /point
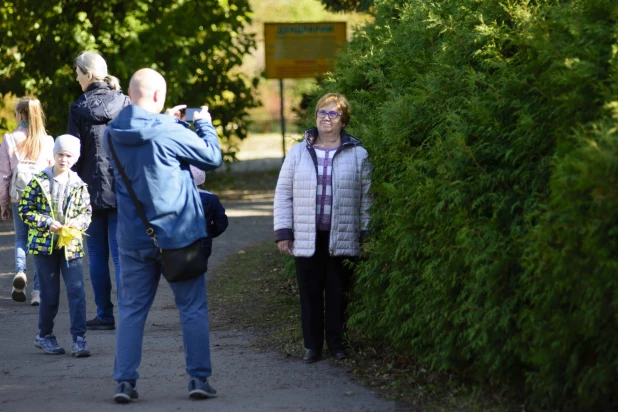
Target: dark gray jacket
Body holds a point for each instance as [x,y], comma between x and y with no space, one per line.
[88,118]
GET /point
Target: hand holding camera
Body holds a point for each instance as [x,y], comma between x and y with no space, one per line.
[189,114]
[199,114]
[177,111]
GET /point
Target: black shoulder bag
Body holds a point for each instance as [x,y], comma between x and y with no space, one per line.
[178,264]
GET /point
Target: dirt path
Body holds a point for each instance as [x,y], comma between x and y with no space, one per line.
[245,379]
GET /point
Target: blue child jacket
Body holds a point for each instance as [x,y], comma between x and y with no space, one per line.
[216,219]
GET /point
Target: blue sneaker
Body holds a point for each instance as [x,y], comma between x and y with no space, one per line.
[80,349]
[125,393]
[49,344]
[201,389]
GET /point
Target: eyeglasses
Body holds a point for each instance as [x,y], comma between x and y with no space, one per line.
[331,115]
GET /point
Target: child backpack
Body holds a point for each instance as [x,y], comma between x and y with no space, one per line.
[22,174]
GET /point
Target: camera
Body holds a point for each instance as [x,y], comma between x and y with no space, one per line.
[188,113]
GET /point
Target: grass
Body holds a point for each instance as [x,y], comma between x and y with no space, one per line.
[250,291]
[242,186]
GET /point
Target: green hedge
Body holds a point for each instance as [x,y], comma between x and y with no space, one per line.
[492,130]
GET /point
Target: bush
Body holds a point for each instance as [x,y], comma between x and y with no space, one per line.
[490,129]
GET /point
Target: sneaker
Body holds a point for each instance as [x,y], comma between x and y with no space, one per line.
[49,344]
[80,348]
[35,298]
[19,286]
[96,324]
[125,393]
[201,389]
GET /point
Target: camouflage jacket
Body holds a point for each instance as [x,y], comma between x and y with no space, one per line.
[35,209]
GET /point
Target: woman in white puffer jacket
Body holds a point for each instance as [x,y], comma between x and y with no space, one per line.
[320,217]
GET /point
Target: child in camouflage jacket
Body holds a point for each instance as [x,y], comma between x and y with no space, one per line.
[57,198]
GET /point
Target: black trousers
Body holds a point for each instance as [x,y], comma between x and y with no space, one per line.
[323,279]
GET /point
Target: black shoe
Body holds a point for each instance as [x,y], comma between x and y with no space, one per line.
[339,355]
[96,324]
[311,356]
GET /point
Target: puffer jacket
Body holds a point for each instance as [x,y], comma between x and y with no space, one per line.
[88,118]
[295,197]
[36,211]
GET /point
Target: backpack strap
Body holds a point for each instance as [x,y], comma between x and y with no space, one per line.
[15,146]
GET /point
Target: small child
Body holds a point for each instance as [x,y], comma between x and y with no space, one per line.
[57,198]
[214,213]
[216,220]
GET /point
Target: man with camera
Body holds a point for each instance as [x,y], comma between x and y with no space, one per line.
[151,154]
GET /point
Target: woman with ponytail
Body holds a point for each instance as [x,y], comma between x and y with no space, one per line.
[30,148]
[89,116]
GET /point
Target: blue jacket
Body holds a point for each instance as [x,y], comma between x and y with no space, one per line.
[216,219]
[155,151]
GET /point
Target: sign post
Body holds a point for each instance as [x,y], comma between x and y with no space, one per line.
[300,50]
[282,118]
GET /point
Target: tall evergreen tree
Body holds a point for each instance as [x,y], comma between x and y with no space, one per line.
[491,127]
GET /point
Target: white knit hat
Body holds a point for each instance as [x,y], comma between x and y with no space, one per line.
[67,143]
[199,176]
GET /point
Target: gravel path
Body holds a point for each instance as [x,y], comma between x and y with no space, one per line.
[245,379]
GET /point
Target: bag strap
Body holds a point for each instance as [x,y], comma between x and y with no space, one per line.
[140,210]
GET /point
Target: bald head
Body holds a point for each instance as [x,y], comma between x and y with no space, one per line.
[147,89]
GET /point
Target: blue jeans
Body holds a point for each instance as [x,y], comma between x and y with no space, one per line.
[101,240]
[139,279]
[49,268]
[21,246]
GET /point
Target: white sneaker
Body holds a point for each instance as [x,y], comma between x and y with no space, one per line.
[19,285]
[35,298]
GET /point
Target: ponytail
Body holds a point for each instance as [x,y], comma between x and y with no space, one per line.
[31,109]
[112,82]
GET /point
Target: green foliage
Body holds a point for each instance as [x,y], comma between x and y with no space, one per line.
[347,5]
[195,45]
[7,115]
[492,130]
[571,281]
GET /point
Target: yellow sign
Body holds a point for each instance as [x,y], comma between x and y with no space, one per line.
[295,50]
